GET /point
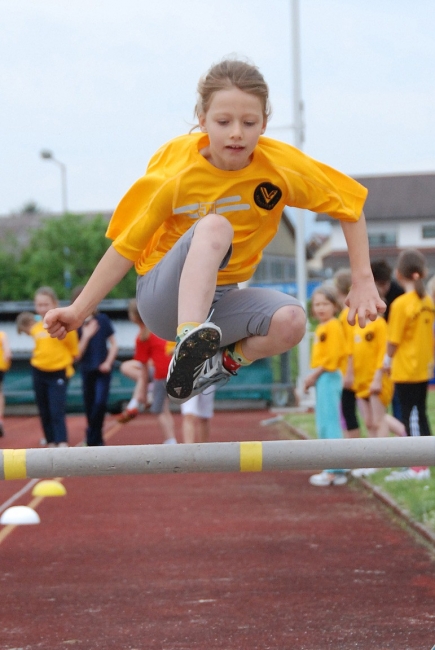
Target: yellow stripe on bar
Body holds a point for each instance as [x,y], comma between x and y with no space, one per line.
[14,463]
[251,456]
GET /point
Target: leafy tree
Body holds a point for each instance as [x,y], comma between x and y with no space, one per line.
[31,207]
[62,253]
[11,276]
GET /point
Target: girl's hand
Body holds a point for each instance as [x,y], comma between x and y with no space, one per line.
[364,302]
[375,387]
[105,367]
[309,382]
[58,322]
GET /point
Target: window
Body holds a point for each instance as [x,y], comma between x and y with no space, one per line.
[428,232]
[275,269]
[379,239]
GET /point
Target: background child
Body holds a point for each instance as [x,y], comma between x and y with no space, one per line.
[5,364]
[135,370]
[197,414]
[152,349]
[410,349]
[373,387]
[196,225]
[343,283]
[389,289]
[97,353]
[52,365]
[430,288]
[327,354]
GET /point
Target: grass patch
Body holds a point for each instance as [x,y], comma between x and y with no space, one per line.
[417,497]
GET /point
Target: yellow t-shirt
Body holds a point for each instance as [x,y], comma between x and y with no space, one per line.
[410,327]
[50,354]
[181,186]
[328,346]
[348,334]
[369,345]
[5,364]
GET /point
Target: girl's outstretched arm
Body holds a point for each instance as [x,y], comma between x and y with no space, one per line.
[363,299]
[109,271]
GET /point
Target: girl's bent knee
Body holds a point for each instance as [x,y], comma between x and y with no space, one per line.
[290,324]
[215,224]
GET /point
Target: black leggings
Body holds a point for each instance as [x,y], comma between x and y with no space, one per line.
[348,408]
[410,396]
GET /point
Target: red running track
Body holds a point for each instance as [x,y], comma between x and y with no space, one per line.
[212,561]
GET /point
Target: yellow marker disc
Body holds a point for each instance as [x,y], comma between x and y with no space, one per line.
[49,489]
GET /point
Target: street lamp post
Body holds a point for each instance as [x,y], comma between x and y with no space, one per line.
[48,155]
[298,126]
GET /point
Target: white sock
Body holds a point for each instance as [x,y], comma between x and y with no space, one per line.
[133,404]
[170,441]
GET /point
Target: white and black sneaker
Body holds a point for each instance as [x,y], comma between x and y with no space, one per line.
[189,358]
[213,373]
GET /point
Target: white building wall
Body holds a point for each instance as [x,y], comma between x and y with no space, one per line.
[338,242]
[410,234]
[407,234]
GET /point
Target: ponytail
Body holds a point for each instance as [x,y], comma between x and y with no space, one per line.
[412,266]
[420,287]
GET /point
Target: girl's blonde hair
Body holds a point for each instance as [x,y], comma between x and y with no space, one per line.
[329,292]
[232,73]
[47,291]
[133,312]
[411,265]
[343,281]
[25,321]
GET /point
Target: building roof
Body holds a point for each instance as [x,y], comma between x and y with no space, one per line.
[397,196]
[21,226]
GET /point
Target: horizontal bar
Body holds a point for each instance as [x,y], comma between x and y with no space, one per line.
[217,457]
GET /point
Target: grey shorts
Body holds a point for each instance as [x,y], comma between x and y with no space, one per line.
[239,313]
[159,396]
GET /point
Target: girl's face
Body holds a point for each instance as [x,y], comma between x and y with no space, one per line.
[323,309]
[234,122]
[43,304]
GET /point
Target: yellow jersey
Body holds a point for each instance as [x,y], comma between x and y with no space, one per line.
[369,345]
[50,354]
[410,327]
[5,363]
[328,347]
[181,186]
[348,333]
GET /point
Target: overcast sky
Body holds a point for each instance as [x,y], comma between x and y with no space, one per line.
[103,84]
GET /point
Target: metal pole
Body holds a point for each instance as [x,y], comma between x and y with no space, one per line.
[62,168]
[48,155]
[64,195]
[301,263]
[217,457]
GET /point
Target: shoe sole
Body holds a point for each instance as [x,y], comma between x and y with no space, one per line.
[193,352]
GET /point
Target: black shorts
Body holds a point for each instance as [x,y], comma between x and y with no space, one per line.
[348,408]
